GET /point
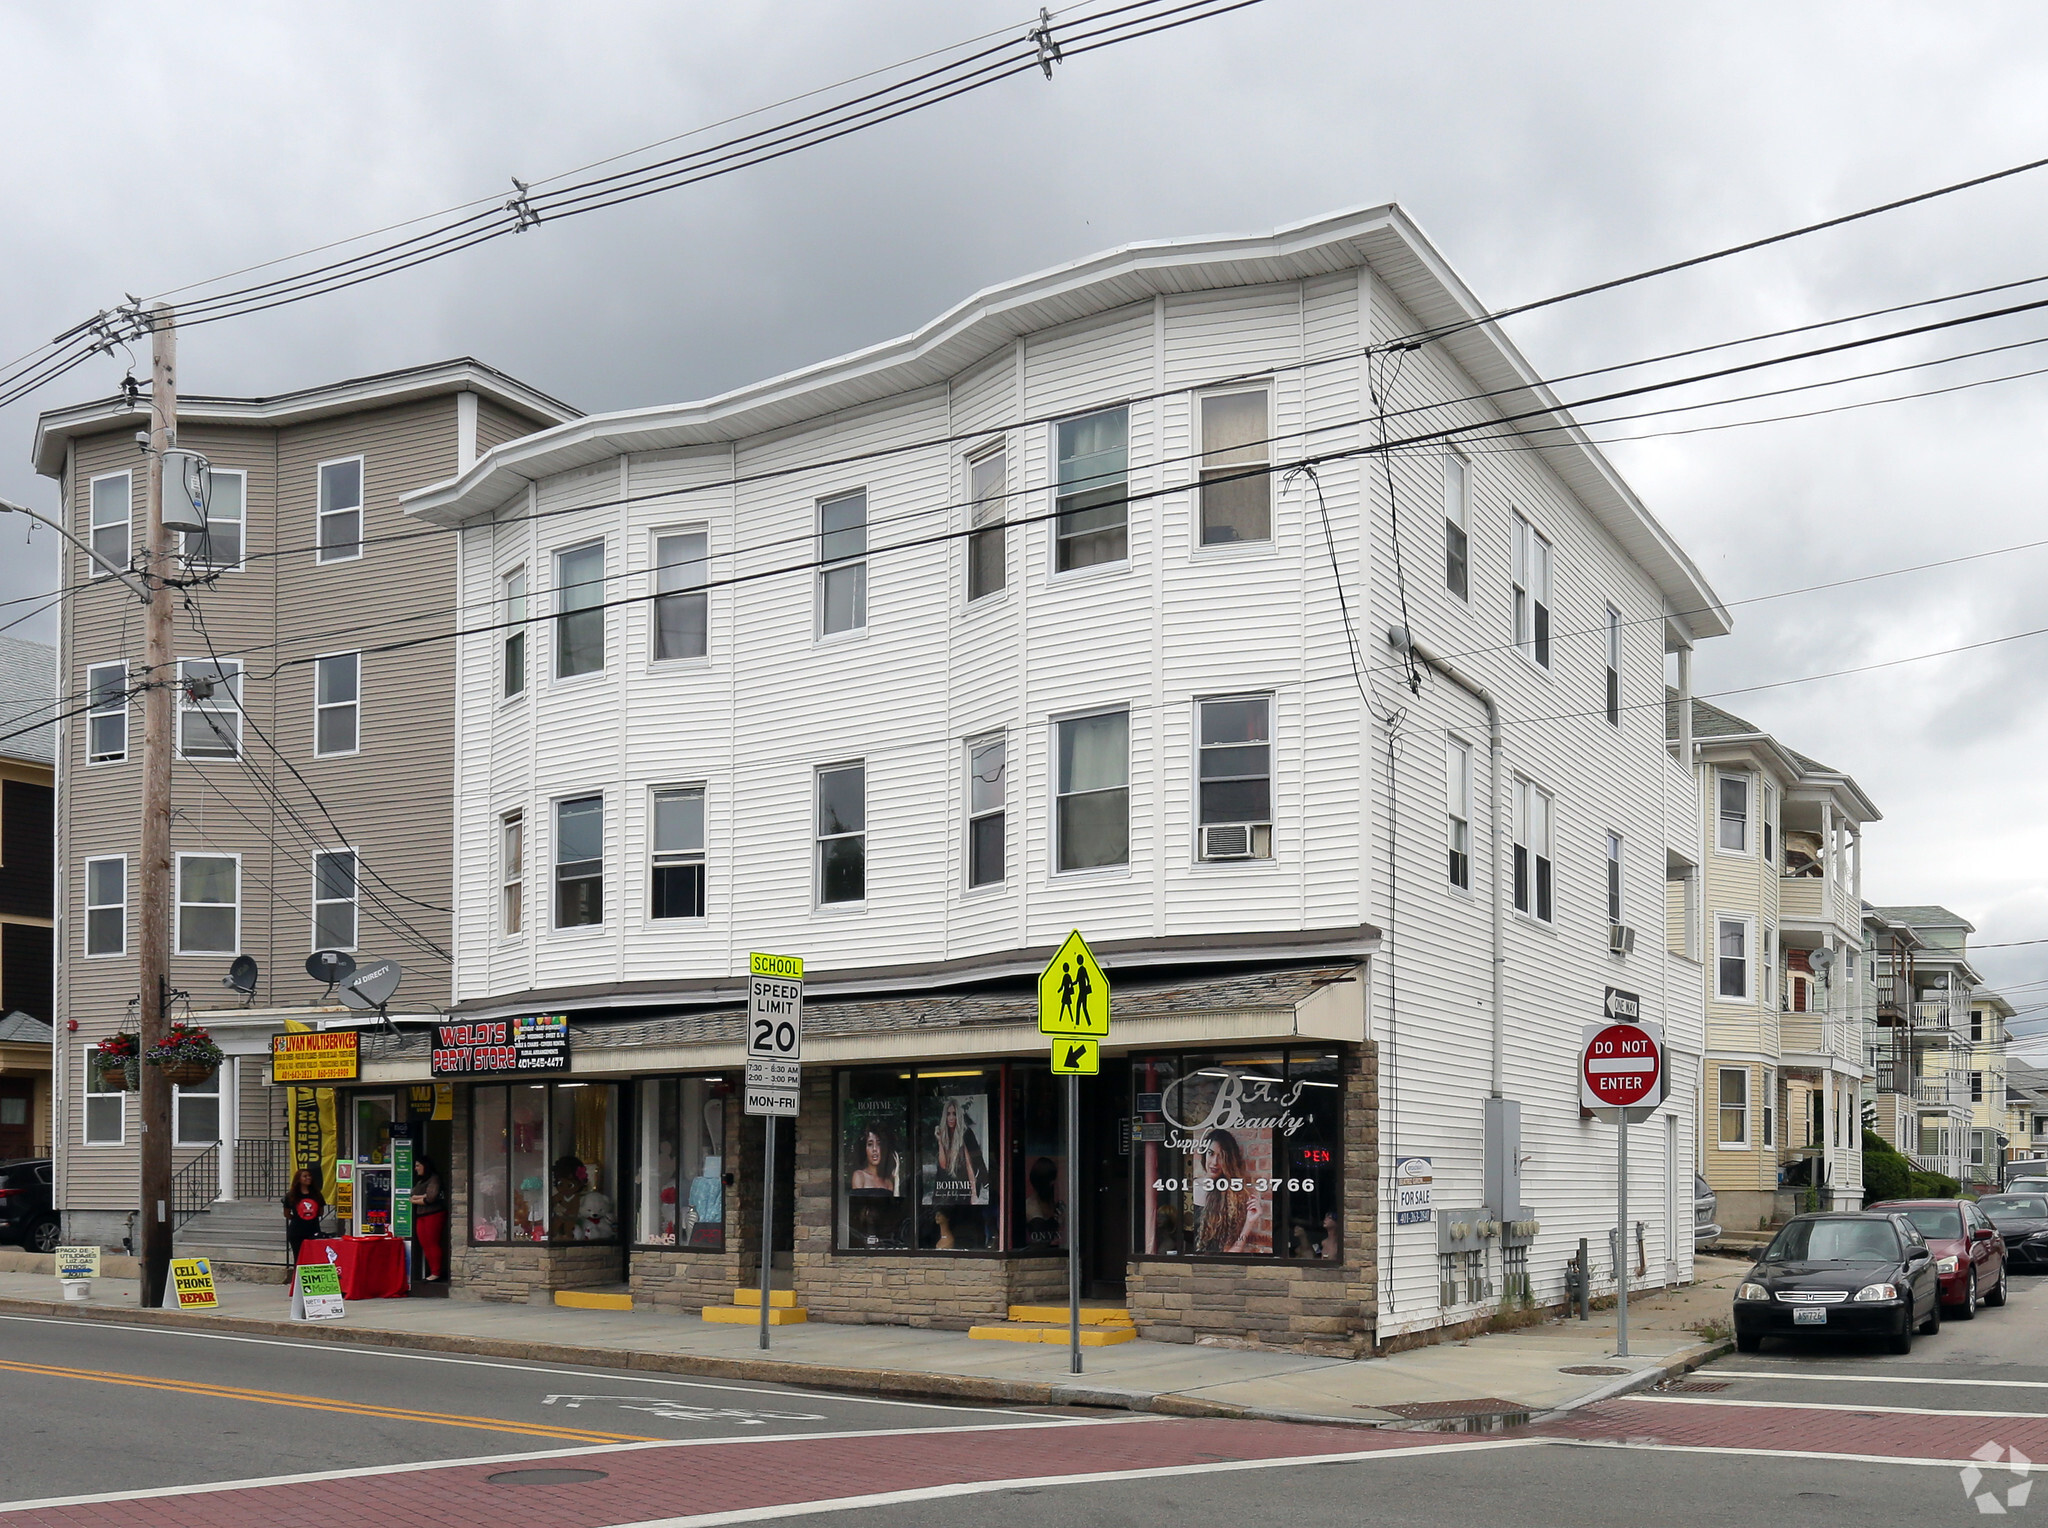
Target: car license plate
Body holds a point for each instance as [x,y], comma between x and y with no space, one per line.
[1809,1315]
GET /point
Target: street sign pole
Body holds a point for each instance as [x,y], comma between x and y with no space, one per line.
[768,1224]
[775,1049]
[1073,1008]
[1621,1238]
[1074,1225]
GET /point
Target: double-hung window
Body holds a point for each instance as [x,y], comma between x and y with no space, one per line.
[1093,513]
[1237,488]
[675,869]
[1767,825]
[579,862]
[1092,821]
[842,838]
[196,1112]
[225,500]
[682,605]
[111,498]
[988,549]
[337,704]
[987,789]
[1732,812]
[1458,811]
[1734,1106]
[1234,778]
[106,719]
[105,1109]
[340,510]
[209,904]
[843,565]
[1613,667]
[512,604]
[334,899]
[1731,959]
[209,708]
[512,873]
[1614,879]
[1534,858]
[1457,535]
[579,610]
[106,906]
[1532,593]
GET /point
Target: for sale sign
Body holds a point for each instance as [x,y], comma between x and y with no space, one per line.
[1621,1066]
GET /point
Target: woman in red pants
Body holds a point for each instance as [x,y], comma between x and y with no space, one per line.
[429,1217]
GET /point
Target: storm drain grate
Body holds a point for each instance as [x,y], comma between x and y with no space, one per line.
[1695,1386]
[1485,1405]
[1592,1369]
[544,1477]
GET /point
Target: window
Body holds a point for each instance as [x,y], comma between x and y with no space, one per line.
[1457,535]
[843,833]
[209,904]
[1236,442]
[1534,857]
[1767,976]
[1731,959]
[543,1163]
[106,721]
[1458,808]
[110,509]
[1234,782]
[988,551]
[920,1160]
[512,594]
[987,771]
[1614,878]
[512,872]
[334,900]
[1237,1155]
[341,510]
[209,708]
[579,610]
[1734,1106]
[579,862]
[105,1113]
[682,607]
[1732,805]
[1770,1111]
[1532,593]
[679,1190]
[1976,1024]
[1613,667]
[220,544]
[675,871]
[337,704]
[1767,822]
[195,1110]
[843,550]
[1976,1087]
[1093,514]
[106,907]
[1093,817]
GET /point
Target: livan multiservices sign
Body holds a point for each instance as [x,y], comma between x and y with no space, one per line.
[537,1042]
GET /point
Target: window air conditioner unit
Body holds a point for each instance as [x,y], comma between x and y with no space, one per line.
[1621,939]
[1236,840]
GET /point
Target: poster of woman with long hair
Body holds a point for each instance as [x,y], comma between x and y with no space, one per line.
[1232,1206]
[954,1170]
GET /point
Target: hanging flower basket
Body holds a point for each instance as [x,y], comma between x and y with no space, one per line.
[115,1061]
[186,1055]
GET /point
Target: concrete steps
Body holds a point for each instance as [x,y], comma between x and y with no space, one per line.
[246,1232]
[1102,1326]
[609,1297]
[745,1309]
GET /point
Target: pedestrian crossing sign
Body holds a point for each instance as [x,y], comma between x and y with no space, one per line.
[1073,993]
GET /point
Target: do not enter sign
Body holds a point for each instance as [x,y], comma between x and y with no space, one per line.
[1622,1065]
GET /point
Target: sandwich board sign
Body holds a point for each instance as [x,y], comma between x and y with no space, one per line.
[192,1278]
[316,1292]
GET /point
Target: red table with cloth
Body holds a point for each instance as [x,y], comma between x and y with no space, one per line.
[371,1267]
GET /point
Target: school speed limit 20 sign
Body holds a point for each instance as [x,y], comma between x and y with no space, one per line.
[775,1033]
[1621,1066]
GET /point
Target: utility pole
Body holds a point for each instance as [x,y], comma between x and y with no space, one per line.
[158,719]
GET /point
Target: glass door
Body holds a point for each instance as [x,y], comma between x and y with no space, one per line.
[372,1120]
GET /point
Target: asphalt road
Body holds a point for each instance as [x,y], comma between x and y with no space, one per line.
[108,1425]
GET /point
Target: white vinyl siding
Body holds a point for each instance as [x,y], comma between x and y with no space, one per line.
[219,546]
[1236,495]
[340,513]
[106,723]
[334,899]
[337,704]
[106,906]
[843,548]
[209,894]
[209,708]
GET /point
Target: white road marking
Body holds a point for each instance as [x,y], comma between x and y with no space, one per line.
[1875,1379]
[683,1411]
[378,1351]
[504,1461]
[1766,1453]
[1887,1411]
[1039,1482]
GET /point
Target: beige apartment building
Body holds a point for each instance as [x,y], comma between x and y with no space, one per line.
[313,786]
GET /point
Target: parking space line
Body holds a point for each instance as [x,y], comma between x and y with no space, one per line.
[1896,1411]
[1875,1379]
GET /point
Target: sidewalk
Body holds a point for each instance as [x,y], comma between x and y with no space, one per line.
[1498,1375]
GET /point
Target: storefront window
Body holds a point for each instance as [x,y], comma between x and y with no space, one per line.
[679,1193]
[875,1173]
[1039,1190]
[1238,1154]
[920,1160]
[956,1198]
[543,1163]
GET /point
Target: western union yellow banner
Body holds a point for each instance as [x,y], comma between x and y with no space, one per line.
[309,1122]
[329,1056]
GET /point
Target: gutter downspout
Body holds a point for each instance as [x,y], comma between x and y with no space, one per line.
[1402,640]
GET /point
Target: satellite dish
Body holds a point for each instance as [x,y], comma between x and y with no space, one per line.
[330,966]
[241,976]
[1821,959]
[371,987]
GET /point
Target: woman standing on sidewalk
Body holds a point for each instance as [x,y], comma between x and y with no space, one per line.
[304,1205]
[429,1217]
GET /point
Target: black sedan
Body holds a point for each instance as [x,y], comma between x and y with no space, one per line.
[1841,1275]
[2022,1221]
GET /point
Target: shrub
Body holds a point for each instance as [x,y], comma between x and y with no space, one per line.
[1931,1186]
[1886,1174]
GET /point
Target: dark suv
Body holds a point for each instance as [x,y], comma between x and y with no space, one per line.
[26,1215]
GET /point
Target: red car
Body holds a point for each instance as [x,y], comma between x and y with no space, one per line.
[1969,1254]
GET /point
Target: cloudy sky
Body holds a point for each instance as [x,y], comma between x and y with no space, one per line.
[1543,147]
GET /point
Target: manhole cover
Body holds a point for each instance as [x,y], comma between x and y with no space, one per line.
[1592,1369]
[1696,1386]
[544,1477]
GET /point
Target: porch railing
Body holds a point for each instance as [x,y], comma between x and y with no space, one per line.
[195,1186]
[262,1166]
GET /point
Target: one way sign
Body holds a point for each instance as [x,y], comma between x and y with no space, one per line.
[1076,1058]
